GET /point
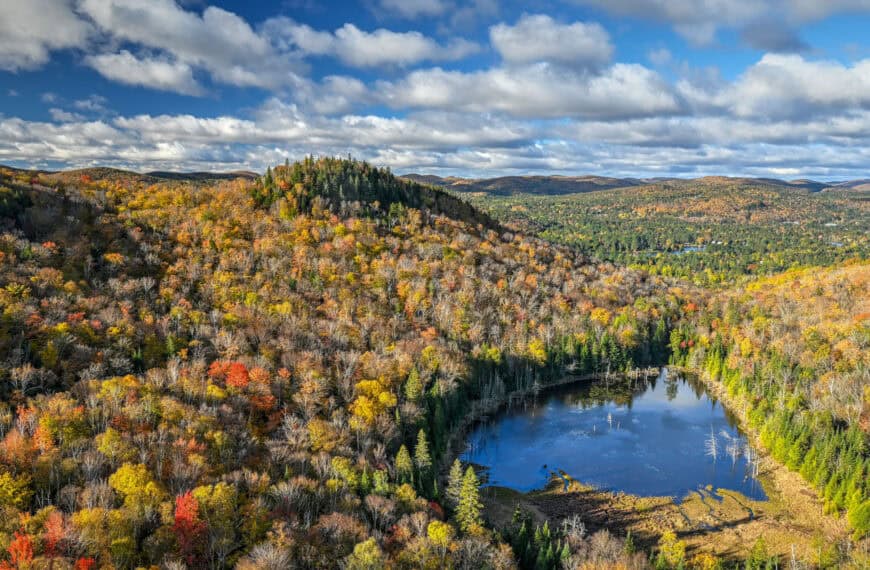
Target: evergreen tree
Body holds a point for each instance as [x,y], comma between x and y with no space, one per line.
[414,386]
[423,461]
[454,484]
[468,509]
[404,466]
[422,458]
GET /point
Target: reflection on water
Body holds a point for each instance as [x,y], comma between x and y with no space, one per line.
[664,436]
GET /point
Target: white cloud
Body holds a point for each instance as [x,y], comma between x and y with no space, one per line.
[660,57]
[536,91]
[61,116]
[219,41]
[93,103]
[789,86]
[767,25]
[452,143]
[537,38]
[696,20]
[359,48]
[280,122]
[413,8]
[808,10]
[154,73]
[31,29]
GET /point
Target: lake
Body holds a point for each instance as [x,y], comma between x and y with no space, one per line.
[660,436]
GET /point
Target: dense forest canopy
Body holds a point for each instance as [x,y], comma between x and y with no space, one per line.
[267,373]
[270,372]
[710,231]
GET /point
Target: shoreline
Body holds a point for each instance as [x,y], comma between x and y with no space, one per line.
[723,522]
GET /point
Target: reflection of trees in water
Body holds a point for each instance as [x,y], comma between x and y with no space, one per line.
[617,390]
[671,387]
[622,390]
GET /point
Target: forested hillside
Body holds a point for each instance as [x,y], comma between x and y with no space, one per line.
[266,373]
[709,231]
[793,351]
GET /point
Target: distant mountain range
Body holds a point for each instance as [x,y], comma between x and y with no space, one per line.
[553,185]
[503,185]
[104,173]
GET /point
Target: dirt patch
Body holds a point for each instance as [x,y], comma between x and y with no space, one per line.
[722,522]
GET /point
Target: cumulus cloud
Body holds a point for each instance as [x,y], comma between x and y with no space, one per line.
[553,101]
[698,21]
[31,29]
[452,142]
[808,10]
[61,116]
[217,40]
[536,91]
[783,86]
[281,122]
[537,38]
[154,73]
[359,48]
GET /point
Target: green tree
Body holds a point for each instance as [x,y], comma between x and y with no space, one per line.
[468,509]
[859,518]
[454,484]
[423,461]
[14,491]
[414,386]
[404,466]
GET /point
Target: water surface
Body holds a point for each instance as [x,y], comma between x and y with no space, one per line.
[650,437]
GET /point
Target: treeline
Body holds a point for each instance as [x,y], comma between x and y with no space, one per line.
[794,350]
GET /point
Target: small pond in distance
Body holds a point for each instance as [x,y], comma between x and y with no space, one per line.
[662,436]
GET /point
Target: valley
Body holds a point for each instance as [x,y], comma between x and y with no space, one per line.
[223,372]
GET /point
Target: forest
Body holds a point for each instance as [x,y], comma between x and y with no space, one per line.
[710,232]
[269,372]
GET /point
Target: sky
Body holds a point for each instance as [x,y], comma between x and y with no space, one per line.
[639,88]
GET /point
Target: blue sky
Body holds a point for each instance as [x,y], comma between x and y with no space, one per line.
[481,88]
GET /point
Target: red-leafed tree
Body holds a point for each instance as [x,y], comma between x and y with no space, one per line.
[20,552]
[85,564]
[189,527]
[237,375]
[54,533]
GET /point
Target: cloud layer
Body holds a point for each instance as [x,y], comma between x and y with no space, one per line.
[534,93]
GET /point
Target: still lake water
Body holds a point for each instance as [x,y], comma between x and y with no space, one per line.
[647,437]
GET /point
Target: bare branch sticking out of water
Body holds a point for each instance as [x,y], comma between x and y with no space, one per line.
[711,446]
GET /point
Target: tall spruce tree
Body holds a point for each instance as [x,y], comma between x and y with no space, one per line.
[454,484]
[404,466]
[423,461]
[468,510]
